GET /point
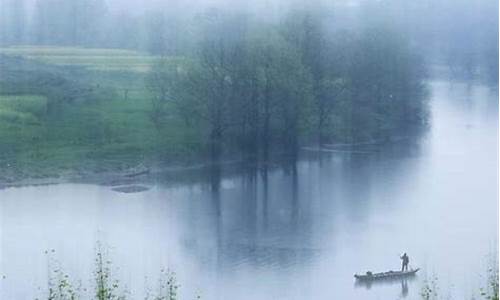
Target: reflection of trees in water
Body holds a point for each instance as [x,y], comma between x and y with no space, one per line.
[252,220]
[215,182]
[281,214]
[252,233]
[265,196]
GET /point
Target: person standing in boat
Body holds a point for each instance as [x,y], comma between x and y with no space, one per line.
[405,261]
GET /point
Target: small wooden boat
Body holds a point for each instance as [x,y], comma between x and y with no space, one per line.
[386,275]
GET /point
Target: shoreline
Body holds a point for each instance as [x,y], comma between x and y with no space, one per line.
[141,172]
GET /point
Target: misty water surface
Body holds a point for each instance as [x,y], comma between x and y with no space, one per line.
[296,233]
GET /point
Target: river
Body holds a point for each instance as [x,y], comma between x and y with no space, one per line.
[293,232]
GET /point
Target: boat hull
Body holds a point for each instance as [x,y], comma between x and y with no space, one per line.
[386,275]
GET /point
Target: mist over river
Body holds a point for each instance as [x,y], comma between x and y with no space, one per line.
[292,232]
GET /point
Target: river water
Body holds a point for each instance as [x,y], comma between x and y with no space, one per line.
[291,232]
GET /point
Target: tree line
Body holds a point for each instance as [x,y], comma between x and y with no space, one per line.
[261,88]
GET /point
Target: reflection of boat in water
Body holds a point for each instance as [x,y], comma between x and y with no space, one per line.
[369,276]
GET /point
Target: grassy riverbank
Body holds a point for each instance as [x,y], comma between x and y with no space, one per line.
[102,122]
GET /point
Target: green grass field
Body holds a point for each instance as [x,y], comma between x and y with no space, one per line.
[22,109]
[108,129]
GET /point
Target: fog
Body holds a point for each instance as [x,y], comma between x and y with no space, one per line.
[255,149]
[458,32]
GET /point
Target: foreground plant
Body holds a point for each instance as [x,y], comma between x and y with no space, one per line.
[106,287]
[167,287]
[491,291]
[61,287]
[59,283]
[429,289]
